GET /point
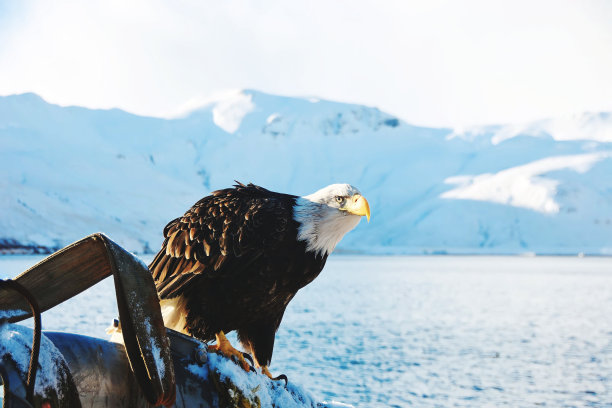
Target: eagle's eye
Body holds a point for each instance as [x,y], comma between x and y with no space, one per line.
[339,199]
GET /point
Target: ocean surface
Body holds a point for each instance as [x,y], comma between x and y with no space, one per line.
[429,331]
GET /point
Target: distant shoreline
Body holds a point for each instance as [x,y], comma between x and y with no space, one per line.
[18,251]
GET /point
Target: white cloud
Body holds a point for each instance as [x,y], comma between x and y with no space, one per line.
[435,63]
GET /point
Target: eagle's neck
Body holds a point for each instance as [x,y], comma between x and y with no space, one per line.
[320,225]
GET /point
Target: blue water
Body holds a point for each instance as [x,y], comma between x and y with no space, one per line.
[430,331]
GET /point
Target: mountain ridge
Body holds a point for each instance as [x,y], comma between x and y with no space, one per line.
[71,171]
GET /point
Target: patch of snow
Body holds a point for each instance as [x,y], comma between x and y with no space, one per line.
[336,404]
[522,186]
[270,393]
[199,103]
[585,126]
[156,351]
[228,113]
[272,118]
[16,341]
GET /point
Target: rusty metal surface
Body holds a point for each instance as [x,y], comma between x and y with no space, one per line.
[14,385]
[36,339]
[191,390]
[103,377]
[100,375]
[55,385]
[101,371]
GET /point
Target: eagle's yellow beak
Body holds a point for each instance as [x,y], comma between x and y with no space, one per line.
[358,205]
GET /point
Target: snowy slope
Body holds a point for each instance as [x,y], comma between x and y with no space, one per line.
[543,187]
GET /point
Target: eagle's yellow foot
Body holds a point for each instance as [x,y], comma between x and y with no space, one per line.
[224,347]
[264,370]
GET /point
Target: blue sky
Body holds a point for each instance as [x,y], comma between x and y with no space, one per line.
[438,63]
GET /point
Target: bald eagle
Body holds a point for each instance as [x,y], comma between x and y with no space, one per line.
[236,258]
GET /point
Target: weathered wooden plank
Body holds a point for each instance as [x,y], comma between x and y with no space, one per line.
[59,277]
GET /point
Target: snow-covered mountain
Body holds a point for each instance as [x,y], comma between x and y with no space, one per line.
[542,187]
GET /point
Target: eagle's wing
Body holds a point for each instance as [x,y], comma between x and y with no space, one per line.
[229,229]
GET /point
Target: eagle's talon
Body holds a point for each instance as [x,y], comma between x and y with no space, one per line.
[281,377]
[225,348]
[248,357]
[266,372]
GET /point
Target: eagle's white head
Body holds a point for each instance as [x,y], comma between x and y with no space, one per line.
[328,214]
